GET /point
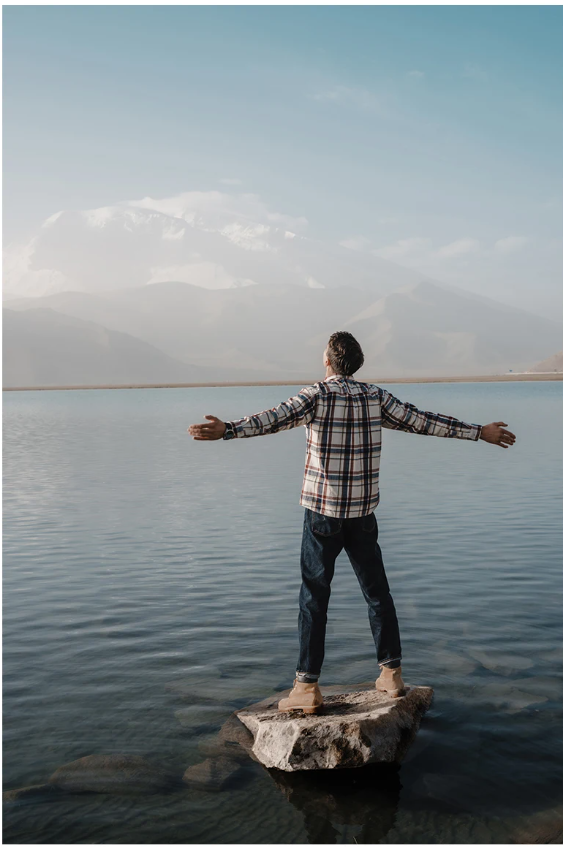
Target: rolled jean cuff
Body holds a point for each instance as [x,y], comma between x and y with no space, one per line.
[392,664]
[303,676]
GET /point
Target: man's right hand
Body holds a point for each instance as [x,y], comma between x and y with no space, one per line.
[208,432]
[495,434]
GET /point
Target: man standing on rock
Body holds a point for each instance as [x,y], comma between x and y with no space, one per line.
[343,419]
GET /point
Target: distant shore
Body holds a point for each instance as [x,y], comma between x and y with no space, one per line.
[516,377]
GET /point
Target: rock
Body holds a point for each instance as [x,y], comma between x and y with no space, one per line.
[233,741]
[454,663]
[508,696]
[211,775]
[545,827]
[115,773]
[199,715]
[358,726]
[30,792]
[503,663]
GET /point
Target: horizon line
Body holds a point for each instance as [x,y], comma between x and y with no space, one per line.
[507,377]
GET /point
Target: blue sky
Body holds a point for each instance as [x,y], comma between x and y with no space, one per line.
[429,134]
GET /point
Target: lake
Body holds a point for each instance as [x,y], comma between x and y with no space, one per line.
[151,585]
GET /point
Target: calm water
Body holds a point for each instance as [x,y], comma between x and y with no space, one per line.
[142,568]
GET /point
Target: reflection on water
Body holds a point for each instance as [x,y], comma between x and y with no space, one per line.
[365,800]
[150,589]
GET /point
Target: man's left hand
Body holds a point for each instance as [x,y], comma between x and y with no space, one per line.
[209,431]
[495,434]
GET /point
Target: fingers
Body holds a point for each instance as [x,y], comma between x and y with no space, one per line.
[199,428]
[213,418]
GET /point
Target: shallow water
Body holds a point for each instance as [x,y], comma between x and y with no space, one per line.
[142,568]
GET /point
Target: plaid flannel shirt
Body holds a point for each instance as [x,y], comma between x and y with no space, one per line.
[343,420]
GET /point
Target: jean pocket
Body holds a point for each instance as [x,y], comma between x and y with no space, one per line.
[325,525]
[369,523]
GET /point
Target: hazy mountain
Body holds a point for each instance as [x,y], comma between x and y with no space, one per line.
[554,364]
[279,332]
[426,329]
[44,347]
[220,283]
[258,328]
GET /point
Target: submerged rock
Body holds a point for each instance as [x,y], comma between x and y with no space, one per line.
[30,792]
[233,741]
[503,663]
[115,773]
[358,726]
[213,774]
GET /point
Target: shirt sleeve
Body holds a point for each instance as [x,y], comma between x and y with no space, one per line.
[398,415]
[297,411]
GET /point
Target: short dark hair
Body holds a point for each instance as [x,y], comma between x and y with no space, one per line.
[344,353]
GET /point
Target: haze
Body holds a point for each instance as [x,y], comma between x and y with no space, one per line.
[392,170]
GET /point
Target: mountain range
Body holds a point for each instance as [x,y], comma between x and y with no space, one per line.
[553,364]
[168,291]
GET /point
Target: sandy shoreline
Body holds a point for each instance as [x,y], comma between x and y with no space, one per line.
[523,377]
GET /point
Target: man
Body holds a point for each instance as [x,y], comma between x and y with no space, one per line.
[343,419]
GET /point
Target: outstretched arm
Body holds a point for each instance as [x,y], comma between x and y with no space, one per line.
[405,416]
[296,411]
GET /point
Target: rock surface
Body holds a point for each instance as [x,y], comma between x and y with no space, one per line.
[116,773]
[358,726]
[545,827]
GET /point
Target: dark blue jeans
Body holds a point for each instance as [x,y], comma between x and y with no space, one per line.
[323,539]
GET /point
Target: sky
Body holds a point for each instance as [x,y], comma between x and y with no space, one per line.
[430,135]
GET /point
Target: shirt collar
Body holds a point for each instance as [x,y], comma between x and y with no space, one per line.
[338,376]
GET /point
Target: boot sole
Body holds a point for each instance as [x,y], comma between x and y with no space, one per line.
[393,693]
[314,711]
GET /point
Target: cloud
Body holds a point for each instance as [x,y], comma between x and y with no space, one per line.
[355,242]
[511,244]
[403,247]
[416,74]
[148,239]
[472,71]
[215,209]
[230,181]
[458,248]
[359,98]
[418,249]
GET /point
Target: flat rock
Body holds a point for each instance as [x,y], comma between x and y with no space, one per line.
[358,726]
[116,773]
[211,775]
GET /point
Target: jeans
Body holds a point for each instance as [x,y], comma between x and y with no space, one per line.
[323,539]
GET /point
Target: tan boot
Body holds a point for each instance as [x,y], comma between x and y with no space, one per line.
[305,697]
[390,682]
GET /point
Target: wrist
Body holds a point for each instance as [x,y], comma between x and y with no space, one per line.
[230,431]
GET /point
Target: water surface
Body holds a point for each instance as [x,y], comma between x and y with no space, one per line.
[151,584]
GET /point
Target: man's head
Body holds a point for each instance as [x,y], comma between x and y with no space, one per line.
[343,354]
